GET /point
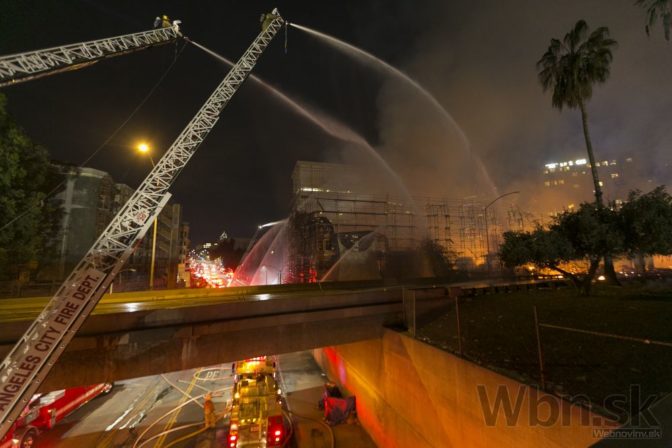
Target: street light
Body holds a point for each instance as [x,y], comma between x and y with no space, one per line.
[487,233]
[144,149]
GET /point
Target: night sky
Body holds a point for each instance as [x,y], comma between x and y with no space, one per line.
[476,56]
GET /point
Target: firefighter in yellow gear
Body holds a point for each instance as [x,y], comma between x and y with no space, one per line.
[162,22]
[268,18]
[209,412]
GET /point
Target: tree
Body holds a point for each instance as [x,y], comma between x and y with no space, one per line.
[589,233]
[543,247]
[594,233]
[642,226]
[28,221]
[570,67]
[646,222]
[656,9]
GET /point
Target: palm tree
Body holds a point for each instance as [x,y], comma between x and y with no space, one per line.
[656,9]
[569,68]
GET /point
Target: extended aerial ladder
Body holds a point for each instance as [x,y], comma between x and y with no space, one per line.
[20,67]
[31,359]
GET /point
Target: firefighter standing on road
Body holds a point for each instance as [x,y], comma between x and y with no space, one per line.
[209,411]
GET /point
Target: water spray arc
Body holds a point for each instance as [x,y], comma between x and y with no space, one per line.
[329,125]
[267,256]
[348,48]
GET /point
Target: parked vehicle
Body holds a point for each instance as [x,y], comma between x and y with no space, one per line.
[45,410]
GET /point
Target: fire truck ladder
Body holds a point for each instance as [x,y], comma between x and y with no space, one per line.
[31,359]
[21,67]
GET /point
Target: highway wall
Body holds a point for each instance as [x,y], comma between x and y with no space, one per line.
[412,394]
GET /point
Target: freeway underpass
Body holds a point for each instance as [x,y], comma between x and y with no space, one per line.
[151,332]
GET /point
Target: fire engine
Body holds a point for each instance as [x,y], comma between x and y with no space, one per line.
[257,418]
[45,410]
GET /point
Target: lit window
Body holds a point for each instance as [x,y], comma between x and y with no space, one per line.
[601,184]
[614,175]
[547,183]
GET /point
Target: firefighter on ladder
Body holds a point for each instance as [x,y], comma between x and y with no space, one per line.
[268,18]
[209,412]
[162,22]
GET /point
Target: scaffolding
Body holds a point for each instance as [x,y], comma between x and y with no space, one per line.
[336,193]
[333,192]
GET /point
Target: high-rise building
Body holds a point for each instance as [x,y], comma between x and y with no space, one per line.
[568,183]
[88,206]
[90,200]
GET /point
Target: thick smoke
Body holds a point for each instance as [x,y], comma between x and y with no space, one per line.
[478,59]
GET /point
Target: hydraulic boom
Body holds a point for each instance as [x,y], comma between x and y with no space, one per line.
[21,67]
[27,365]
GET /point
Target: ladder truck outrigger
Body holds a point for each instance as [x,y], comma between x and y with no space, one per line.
[28,364]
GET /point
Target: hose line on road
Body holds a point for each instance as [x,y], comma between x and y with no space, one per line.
[173,419]
[139,444]
[288,410]
[329,429]
[290,433]
[179,389]
[175,429]
[186,436]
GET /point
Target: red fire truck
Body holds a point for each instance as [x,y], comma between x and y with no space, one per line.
[45,410]
[257,418]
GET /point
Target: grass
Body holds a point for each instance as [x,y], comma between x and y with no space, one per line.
[498,332]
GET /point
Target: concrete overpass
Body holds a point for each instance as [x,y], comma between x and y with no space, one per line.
[135,334]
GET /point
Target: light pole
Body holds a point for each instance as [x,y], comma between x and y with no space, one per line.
[144,149]
[487,233]
[119,276]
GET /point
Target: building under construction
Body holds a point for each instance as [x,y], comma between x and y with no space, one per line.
[334,214]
